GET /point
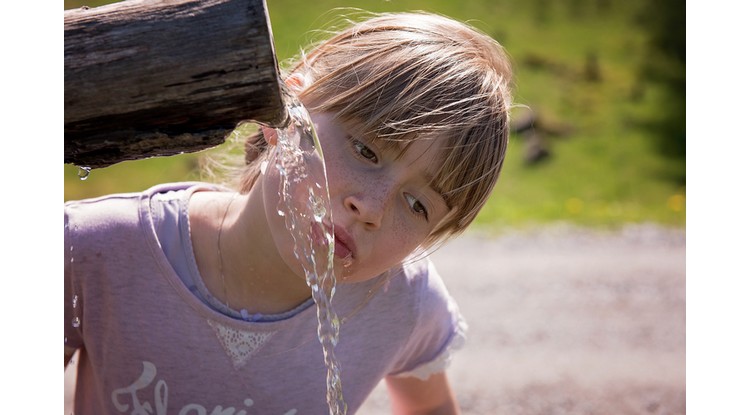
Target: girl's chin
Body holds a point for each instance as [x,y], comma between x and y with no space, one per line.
[346,261]
[343,271]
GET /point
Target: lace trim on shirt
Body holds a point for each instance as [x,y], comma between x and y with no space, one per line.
[442,361]
[239,345]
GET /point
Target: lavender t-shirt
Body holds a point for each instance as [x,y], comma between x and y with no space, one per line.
[150,346]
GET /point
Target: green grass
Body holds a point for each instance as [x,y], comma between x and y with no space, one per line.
[605,172]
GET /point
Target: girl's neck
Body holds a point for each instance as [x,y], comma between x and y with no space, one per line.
[236,254]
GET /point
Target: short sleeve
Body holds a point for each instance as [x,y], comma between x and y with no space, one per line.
[439,331]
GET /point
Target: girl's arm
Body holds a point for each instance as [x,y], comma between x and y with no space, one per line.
[412,396]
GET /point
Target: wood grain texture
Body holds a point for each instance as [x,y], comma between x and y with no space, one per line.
[152,78]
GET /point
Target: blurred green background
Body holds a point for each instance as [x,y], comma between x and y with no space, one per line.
[604,80]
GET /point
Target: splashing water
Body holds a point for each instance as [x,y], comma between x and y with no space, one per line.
[305,206]
[84,172]
[76,321]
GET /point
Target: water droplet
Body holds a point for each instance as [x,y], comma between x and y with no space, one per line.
[84,172]
[318,206]
[281,212]
[76,322]
[348,261]
[75,301]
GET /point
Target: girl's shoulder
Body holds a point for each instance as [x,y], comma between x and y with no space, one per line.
[116,212]
[422,276]
[413,290]
[428,318]
[409,291]
[162,188]
[114,202]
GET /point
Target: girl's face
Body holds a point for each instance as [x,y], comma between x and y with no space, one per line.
[383,206]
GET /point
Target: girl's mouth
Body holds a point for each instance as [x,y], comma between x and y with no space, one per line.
[341,250]
[345,249]
[343,244]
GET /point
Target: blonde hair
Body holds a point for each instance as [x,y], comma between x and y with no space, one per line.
[404,76]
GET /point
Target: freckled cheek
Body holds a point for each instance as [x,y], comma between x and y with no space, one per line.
[334,168]
[342,176]
[402,238]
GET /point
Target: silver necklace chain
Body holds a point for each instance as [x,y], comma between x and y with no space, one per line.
[218,246]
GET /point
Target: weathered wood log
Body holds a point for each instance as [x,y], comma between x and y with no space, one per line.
[152,78]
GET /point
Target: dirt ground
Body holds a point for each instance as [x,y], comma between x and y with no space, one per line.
[567,321]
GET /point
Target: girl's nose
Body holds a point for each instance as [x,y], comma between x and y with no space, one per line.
[368,208]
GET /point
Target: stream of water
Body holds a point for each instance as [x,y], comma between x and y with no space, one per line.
[305,205]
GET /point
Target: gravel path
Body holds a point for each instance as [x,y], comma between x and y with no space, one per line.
[567,321]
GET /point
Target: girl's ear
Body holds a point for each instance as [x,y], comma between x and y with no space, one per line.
[296,82]
[269,134]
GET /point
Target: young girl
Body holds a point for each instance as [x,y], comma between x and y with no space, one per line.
[188,299]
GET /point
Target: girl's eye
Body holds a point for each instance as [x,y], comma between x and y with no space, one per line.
[365,151]
[417,207]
